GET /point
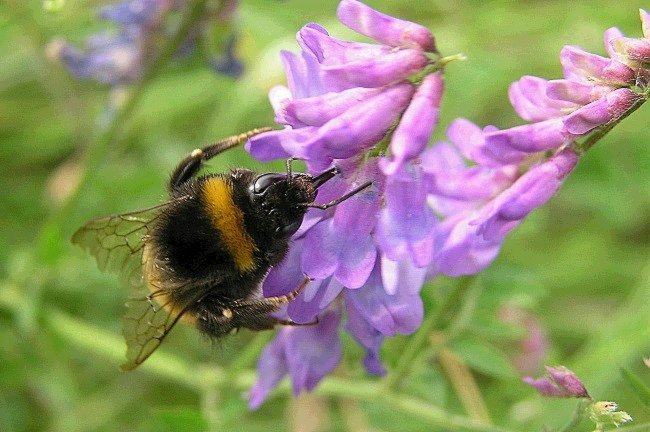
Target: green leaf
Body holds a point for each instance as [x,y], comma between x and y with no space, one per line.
[640,388]
[485,358]
[180,419]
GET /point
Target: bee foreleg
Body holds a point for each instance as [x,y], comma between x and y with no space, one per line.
[191,165]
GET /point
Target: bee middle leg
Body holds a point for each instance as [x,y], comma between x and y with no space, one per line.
[189,166]
[255,314]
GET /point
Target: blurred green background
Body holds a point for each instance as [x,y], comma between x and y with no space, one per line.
[581,264]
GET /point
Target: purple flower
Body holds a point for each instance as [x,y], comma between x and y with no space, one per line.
[418,121]
[389,313]
[383,28]
[350,64]
[561,383]
[579,93]
[405,228]
[342,99]
[530,99]
[122,56]
[531,350]
[342,246]
[367,336]
[370,110]
[114,59]
[599,112]
[634,51]
[501,215]
[341,137]
[308,353]
[460,250]
[579,65]
[227,63]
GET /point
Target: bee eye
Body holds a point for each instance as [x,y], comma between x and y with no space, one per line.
[262,183]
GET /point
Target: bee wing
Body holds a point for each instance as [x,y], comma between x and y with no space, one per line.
[147,322]
[117,241]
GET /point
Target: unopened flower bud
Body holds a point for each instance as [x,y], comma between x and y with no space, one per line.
[562,383]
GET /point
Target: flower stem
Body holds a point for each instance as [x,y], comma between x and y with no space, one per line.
[464,384]
[420,338]
[634,428]
[170,367]
[51,233]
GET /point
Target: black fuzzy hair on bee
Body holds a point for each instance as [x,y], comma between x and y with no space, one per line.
[201,256]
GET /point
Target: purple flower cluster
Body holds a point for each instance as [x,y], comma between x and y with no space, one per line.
[370,109]
[121,57]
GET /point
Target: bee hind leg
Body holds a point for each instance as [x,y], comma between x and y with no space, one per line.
[191,165]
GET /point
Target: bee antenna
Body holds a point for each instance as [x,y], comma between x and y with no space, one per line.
[340,199]
[290,168]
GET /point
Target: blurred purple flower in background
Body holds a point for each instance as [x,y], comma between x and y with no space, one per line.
[121,56]
[531,350]
[561,383]
[371,109]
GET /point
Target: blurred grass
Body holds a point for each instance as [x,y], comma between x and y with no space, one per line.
[581,263]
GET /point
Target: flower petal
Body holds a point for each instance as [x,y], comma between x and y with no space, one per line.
[530,191]
[271,367]
[529,138]
[318,110]
[367,336]
[316,297]
[602,111]
[312,352]
[406,223]
[359,127]
[342,246]
[580,65]
[303,74]
[352,64]
[286,276]
[416,126]
[280,144]
[384,28]
[528,97]
[609,35]
[460,250]
[389,314]
[396,275]
[577,92]
[632,48]
[645,23]
[568,381]
[470,140]
[449,179]
[544,386]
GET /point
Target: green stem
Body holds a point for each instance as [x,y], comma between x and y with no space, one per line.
[417,341]
[162,364]
[643,427]
[578,415]
[51,232]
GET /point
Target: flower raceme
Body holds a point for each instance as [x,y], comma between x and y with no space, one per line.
[370,109]
[121,57]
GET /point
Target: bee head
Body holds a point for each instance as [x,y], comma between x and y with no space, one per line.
[283,197]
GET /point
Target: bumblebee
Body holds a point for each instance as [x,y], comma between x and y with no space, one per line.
[201,256]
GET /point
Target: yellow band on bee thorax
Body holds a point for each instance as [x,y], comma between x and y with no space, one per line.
[228,219]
